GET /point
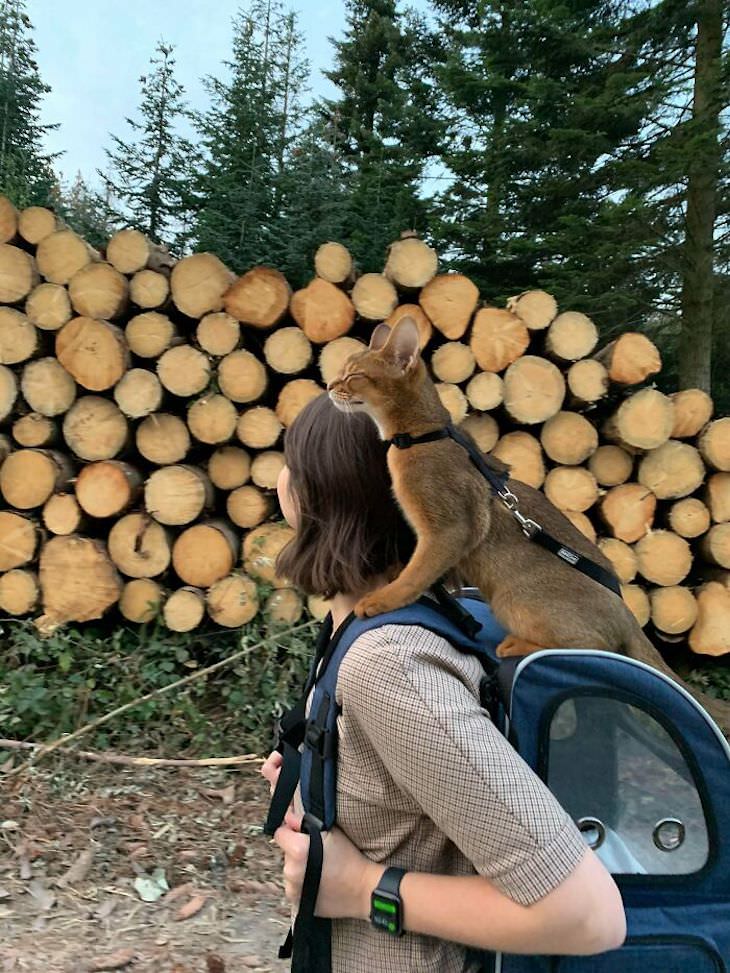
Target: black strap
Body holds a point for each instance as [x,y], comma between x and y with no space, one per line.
[285,788]
[577,561]
[309,942]
[498,482]
[390,880]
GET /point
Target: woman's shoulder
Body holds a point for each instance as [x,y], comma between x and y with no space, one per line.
[406,653]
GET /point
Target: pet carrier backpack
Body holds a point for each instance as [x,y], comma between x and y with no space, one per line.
[639,765]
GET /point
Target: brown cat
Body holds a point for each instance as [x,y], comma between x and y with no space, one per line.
[459,524]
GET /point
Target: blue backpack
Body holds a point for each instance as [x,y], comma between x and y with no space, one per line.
[635,760]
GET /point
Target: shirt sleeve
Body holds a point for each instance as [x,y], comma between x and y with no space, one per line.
[405,689]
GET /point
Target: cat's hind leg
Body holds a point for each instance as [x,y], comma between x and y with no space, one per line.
[513,646]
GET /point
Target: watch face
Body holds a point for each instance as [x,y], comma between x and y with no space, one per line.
[385,912]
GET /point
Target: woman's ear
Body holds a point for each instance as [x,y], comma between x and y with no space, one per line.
[402,345]
[379,336]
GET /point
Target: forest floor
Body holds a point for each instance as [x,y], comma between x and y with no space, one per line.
[83,846]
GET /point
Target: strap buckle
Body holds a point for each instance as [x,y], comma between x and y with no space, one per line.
[401,440]
[512,503]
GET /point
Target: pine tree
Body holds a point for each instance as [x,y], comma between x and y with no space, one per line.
[247,138]
[148,176]
[385,122]
[548,105]
[85,211]
[26,171]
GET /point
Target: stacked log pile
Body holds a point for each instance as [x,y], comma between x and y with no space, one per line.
[144,401]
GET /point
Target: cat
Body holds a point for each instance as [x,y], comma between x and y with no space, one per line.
[459,524]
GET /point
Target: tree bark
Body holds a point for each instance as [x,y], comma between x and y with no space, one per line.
[695,339]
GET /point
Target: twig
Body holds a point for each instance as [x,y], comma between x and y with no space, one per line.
[126,761]
[67,738]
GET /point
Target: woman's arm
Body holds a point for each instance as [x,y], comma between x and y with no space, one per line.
[581,916]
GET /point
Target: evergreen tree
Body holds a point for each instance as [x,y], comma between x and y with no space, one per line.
[385,124]
[85,211]
[147,181]
[26,171]
[313,203]
[248,136]
[548,104]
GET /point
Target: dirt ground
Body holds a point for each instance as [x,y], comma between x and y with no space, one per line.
[82,845]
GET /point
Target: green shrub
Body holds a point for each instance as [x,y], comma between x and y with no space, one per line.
[53,685]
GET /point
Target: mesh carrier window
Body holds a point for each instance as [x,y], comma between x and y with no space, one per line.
[620,775]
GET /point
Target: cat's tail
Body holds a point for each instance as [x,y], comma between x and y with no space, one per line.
[640,648]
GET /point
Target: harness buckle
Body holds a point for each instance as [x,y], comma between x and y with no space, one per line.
[529,527]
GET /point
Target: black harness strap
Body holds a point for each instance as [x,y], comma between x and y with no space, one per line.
[309,942]
[498,482]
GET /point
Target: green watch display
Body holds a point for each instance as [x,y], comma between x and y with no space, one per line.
[386,908]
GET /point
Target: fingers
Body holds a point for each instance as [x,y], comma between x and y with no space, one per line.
[271,769]
[292,820]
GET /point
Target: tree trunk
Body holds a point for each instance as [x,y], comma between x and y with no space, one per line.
[95,429]
[139,546]
[149,334]
[259,428]
[163,438]
[62,254]
[18,274]
[48,307]
[259,298]
[107,488]
[453,400]
[266,467]
[534,390]
[78,580]
[62,514]
[19,591]
[141,600]
[523,454]
[536,309]
[322,311]
[99,291]
[94,352]
[229,467]
[288,351]
[483,429]
[233,601]
[449,300]
[242,377]
[184,609]
[453,362]
[498,338]
[411,263]
[261,547]
[47,387]
[18,337]
[293,397]
[212,419]
[205,553]
[248,506]
[29,476]
[138,393]
[374,297]
[149,289]
[218,334]
[695,339]
[176,495]
[19,538]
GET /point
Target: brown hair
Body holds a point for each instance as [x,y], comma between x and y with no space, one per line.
[350,529]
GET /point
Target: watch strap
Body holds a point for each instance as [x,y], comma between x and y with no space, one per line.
[390,880]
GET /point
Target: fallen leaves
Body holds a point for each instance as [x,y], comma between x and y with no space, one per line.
[152,887]
[79,870]
[191,908]
[112,961]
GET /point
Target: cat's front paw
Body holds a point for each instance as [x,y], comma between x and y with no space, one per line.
[375,604]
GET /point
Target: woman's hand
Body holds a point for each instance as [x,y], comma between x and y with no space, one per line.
[271,768]
[348,877]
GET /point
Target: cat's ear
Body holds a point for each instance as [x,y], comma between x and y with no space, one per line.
[379,336]
[403,344]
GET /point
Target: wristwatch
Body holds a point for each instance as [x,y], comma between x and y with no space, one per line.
[386,908]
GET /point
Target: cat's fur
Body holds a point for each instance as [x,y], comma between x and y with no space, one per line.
[459,524]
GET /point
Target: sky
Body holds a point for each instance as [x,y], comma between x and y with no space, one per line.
[92,53]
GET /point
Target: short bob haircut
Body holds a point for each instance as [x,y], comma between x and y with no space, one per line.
[350,529]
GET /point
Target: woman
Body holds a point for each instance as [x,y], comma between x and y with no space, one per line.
[425,781]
